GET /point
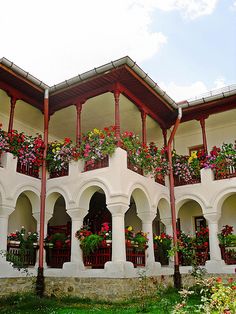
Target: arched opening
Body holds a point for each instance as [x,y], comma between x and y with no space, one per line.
[22,216]
[58,240]
[161,240]
[98,212]
[190,217]
[22,234]
[97,247]
[131,218]
[227,230]
[228,212]
[136,240]
[193,234]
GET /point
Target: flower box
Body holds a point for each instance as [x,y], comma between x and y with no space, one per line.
[96,164]
[228,254]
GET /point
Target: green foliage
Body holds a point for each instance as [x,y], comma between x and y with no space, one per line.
[98,144]
[90,243]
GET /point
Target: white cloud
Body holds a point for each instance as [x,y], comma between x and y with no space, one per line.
[191,9]
[195,89]
[183,92]
[57,39]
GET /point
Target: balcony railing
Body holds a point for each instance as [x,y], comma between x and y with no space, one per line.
[133,167]
[228,254]
[96,164]
[228,172]
[56,257]
[99,257]
[201,256]
[19,258]
[59,173]
[29,170]
[160,180]
[179,181]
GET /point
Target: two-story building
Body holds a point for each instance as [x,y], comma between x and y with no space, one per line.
[119,93]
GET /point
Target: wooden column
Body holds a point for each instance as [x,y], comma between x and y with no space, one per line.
[117,115]
[164,133]
[78,122]
[144,127]
[204,139]
[13,104]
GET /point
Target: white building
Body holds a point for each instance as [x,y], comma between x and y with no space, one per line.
[120,94]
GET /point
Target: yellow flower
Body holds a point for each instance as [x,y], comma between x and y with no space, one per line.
[194,154]
[190,159]
[96,131]
[130,228]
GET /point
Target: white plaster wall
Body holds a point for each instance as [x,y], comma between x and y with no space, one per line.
[187,213]
[22,216]
[228,214]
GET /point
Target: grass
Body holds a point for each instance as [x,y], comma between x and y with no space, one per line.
[163,303]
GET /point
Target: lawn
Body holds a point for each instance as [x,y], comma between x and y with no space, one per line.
[163,303]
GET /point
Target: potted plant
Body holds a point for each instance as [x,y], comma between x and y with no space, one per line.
[162,245]
[90,243]
[32,239]
[185,248]
[106,233]
[141,240]
[227,242]
[129,236]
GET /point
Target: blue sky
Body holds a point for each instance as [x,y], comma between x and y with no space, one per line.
[187,46]
[203,49]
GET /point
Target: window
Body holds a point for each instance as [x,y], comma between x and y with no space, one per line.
[200,221]
[196,149]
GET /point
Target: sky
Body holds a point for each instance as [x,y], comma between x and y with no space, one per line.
[187,46]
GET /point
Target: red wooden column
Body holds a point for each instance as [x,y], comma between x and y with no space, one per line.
[13,104]
[40,275]
[203,127]
[117,115]
[164,133]
[144,127]
[78,122]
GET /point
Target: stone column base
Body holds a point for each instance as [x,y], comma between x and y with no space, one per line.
[153,269]
[215,266]
[122,269]
[72,268]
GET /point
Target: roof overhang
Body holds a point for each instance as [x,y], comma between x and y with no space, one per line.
[123,74]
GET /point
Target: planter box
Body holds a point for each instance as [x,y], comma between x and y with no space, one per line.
[228,254]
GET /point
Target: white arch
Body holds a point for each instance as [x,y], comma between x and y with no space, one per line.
[191,197]
[53,194]
[141,198]
[221,197]
[163,206]
[31,192]
[87,190]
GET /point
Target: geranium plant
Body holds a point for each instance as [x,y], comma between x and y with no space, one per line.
[226,236]
[59,155]
[97,144]
[162,246]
